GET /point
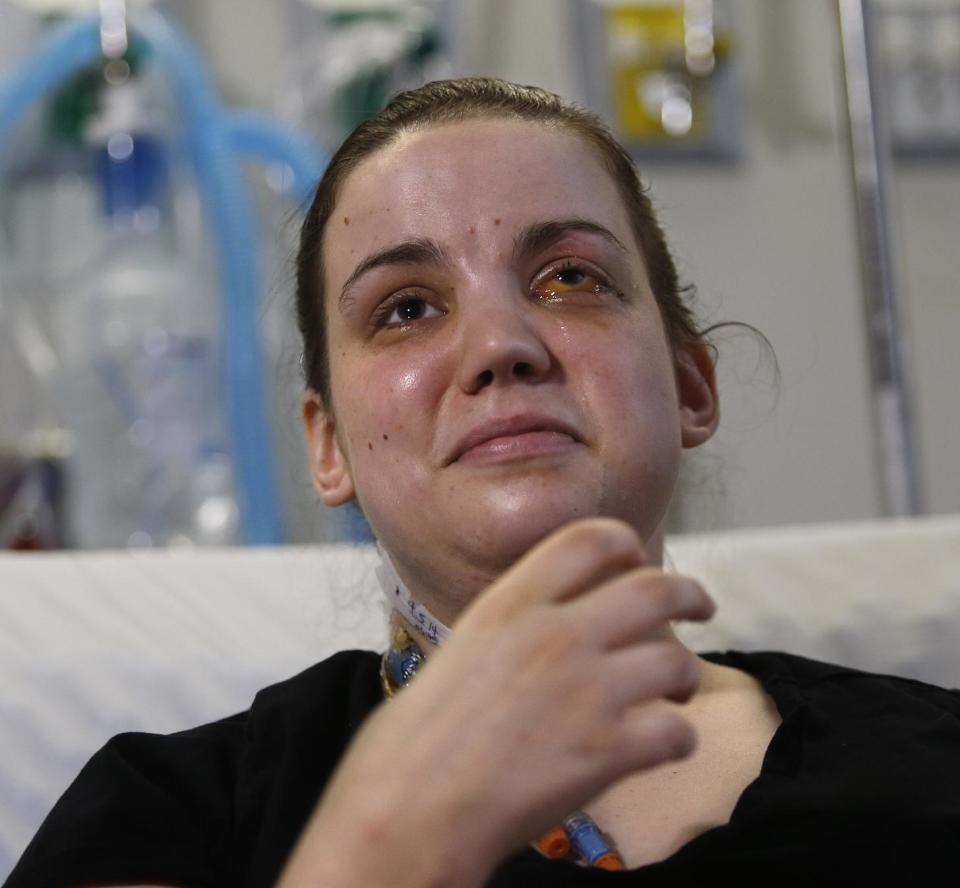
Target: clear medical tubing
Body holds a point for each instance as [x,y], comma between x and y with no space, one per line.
[272,142]
[213,140]
[229,208]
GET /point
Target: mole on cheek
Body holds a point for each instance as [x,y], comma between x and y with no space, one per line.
[386,437]
[370,445]
[346,220]
[472,230]
[496,221]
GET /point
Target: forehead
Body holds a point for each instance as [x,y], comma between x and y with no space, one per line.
[491,176]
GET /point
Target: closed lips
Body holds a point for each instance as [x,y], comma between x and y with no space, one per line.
[516,425]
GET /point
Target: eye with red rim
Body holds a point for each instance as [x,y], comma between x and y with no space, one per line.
[570,277]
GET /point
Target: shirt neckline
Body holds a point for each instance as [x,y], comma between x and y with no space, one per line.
[781,759]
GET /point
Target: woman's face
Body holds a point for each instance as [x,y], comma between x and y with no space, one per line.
[482,280]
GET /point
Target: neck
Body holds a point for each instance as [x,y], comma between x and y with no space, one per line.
[713,677]
[446,606]
[447,583]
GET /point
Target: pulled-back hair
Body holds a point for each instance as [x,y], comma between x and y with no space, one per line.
[448,101]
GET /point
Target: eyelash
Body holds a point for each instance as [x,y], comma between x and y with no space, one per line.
[386,308]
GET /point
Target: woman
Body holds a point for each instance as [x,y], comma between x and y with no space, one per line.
[502,372]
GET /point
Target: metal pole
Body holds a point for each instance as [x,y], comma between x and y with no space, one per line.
[895,433]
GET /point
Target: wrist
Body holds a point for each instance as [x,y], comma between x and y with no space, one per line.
[393,847]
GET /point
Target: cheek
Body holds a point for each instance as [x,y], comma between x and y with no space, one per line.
[383,402]
[638,415]
[635,372]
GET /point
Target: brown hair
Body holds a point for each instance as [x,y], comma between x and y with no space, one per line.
[445,101]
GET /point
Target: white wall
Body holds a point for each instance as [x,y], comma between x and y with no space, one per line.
[927,202]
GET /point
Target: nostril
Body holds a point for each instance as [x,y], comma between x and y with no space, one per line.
[522,369]
[485,378]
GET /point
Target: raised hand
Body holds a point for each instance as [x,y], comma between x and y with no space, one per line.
[549,689]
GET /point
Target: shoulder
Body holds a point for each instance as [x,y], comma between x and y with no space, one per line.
[818,680]
[176,804]
[317,708]
[332,696]
[307,721]
[348,680]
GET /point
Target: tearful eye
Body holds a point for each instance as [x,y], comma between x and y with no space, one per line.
[570,276]
[570,279]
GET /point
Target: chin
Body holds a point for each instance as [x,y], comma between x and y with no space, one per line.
[517,517]
[513,522]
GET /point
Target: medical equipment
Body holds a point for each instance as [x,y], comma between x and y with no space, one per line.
[347,58]
[33,445]
[664,73]
[212,140]
[898,462]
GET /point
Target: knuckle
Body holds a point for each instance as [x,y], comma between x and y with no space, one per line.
[555,641]
[601,742]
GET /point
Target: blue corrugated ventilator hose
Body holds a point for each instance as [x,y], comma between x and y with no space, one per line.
[215,139]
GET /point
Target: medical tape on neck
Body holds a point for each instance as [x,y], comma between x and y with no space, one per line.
[399,598]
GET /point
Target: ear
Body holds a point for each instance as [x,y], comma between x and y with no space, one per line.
[697,393]
[329,467]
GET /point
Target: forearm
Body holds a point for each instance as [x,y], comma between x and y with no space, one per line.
[398,848]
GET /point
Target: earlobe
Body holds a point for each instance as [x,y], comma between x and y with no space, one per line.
[697,394]
[329,468]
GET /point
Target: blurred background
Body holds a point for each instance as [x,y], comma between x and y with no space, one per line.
[155,159]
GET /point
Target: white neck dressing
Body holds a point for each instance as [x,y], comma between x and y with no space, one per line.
[399,598]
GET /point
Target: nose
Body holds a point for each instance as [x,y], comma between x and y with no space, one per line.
[501,342]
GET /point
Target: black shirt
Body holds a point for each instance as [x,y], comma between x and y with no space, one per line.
[861,782]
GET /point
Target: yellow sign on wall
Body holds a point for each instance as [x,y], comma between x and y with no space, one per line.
[662,58]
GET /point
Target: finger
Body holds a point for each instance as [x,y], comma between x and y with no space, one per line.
[638,604]
[653,735]
[577,557]
[651,671]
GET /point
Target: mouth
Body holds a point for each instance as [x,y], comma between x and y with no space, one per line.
[527,445]
[515,437]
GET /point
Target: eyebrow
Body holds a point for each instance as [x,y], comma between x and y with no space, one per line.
[542,234]
[419,251]
[425,251]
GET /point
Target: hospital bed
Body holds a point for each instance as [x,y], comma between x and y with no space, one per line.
[92,644]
